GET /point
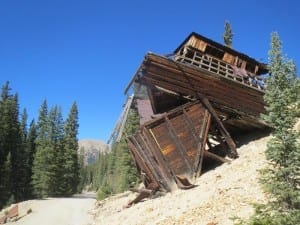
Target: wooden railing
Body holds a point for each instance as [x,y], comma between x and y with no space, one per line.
[213,65]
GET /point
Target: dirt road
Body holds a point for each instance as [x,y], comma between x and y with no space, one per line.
[60,211]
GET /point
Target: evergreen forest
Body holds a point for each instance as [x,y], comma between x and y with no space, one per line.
[41,159]
[38,160]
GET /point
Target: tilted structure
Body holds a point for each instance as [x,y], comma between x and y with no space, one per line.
[201,96]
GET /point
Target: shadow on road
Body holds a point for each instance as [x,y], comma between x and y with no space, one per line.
[91,195]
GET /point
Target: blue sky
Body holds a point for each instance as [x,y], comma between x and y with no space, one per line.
[87,51]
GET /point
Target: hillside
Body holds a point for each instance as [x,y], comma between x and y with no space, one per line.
[221,193]
[92,148]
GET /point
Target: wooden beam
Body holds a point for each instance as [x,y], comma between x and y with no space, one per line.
[222,129]
[214,156]
[202,137]
[152,172]
[133,79]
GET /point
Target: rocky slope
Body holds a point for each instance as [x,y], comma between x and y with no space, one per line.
[222,193]
[92,148]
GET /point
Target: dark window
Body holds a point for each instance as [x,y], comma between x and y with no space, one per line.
[215,52]
[250,67]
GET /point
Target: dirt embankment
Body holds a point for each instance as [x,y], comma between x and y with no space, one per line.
[222,193]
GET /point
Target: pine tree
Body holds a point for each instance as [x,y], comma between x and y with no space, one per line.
[56,166]
[41,164]
[124,168]
[227,35]
[56,154]
[71,164]
[5,186]
[14,179]
[23,126]
[18,152]
[11,143]
[30,152]
[110,175]
[282,178]
[102,166]
[25,166]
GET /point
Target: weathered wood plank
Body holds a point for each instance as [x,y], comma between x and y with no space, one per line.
[214,88]
[163,165]
[172,66]
[215,93]
[142,162]
[176,141]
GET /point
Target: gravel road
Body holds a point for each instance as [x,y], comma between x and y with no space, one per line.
[60,211]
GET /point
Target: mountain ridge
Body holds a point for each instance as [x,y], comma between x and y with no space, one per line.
[92,148]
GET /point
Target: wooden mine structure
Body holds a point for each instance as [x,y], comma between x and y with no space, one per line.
[200,96]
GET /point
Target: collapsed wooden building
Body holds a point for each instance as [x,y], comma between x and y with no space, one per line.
[197,99]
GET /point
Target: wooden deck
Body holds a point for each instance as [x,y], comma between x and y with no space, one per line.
[214,65]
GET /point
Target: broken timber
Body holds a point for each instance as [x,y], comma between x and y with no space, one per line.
[169,150]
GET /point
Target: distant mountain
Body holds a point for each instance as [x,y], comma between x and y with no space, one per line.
[92,148]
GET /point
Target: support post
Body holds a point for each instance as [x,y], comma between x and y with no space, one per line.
[222,129]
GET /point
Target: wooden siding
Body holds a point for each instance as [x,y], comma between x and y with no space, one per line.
[172,146]
[188,80]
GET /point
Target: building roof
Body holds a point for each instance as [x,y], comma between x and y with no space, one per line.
[223,47]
